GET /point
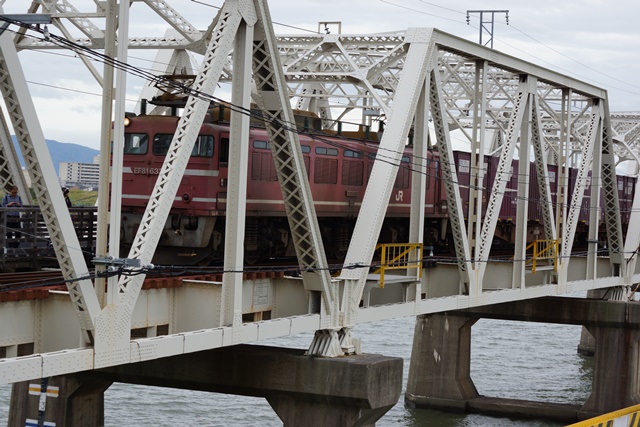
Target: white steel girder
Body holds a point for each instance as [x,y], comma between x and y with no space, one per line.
[231,313]
[477,146]
[418,182]
[502,176]
[540,157]
[106,120]
[573,209]
[450,181]
[522,199]
[382,61]
[113,326]
[272,98]
[385,168]
[611,200]
[46,187]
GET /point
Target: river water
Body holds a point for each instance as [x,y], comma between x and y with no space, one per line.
[508,359]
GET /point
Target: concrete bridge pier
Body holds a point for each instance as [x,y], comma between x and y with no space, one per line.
[439,373]
[346,391]
[616,371]
[67,400]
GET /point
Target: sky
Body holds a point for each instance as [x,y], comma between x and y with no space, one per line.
[591,40]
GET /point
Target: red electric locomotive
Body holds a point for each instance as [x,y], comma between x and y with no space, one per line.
[338,167]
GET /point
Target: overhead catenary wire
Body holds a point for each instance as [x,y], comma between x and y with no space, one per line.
[188,90]
[79,49]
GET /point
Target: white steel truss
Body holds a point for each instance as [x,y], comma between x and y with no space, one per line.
[467,91]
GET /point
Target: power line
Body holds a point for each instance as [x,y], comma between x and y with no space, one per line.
[188,90]
[525,52]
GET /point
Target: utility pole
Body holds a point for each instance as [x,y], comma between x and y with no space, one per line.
[487,20]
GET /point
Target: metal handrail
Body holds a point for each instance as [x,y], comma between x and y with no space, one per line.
[543,250]
[399,256]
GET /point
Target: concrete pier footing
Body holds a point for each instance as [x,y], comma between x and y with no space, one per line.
[66,400]
[440,362]
[440,376]
[346,391]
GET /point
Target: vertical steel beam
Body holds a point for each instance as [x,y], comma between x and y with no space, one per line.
[106,131]
[237,185]
[476,187]
[522,195]
[113,348]
[594,209]
[419,178]
[117,151]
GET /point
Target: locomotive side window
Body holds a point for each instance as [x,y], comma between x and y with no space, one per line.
[203,146]
[354,154]
[136,143]
[305,149]
[224,152]
[327,151]
[403,179]
[262,145]
[161,143]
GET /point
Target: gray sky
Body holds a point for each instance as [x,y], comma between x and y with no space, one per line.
[592,40]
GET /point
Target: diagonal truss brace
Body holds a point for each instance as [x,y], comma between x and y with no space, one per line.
[272,98]
[539,150]
[502,176]
[573,211]
[610,188]
[10,170]
[420,58]
[450,178]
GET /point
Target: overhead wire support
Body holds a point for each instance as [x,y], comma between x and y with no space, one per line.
[487,22]
[25,18]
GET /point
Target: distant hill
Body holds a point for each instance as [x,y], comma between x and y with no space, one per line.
[63,152]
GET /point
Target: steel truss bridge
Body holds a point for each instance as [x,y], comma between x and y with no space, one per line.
[421,81]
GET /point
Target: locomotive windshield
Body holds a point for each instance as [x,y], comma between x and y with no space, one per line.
[136,143]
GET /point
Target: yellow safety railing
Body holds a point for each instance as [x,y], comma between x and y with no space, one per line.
[625,417]
[399,256]
[543,250]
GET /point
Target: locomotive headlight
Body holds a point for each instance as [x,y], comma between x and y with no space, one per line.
[127,121]
[186,198]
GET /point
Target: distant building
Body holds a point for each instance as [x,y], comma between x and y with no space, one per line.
[82,175]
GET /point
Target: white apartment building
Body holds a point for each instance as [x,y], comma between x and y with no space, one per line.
[83,175]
